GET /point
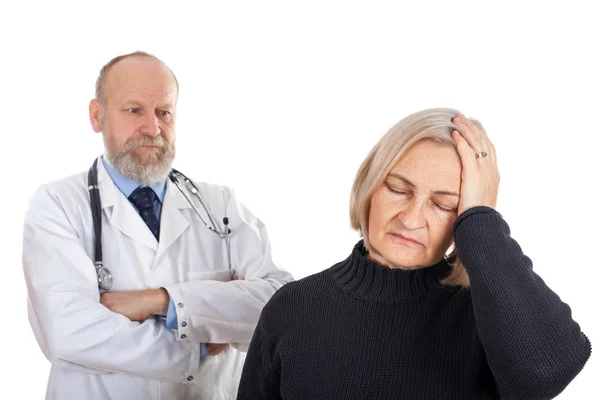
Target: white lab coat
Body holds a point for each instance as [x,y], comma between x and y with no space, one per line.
[98,354]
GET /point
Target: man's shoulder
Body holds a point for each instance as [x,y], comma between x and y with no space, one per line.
[221,197]
[208,189]
[69,189]
[75,181]
[211,187]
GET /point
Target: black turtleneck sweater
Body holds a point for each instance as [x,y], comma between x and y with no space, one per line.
[359,330]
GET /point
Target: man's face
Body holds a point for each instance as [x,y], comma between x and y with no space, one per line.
[137,118]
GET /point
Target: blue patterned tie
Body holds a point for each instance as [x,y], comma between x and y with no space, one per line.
[143,198]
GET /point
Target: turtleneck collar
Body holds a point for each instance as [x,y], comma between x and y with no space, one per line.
[368,280]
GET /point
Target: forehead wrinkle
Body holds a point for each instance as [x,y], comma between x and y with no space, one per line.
[147,96]
[431,165]
[440,179]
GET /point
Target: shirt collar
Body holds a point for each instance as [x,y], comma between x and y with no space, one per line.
[127,185]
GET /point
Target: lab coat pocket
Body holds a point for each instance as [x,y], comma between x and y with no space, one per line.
[223,275]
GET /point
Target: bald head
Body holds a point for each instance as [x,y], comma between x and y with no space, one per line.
[137,63]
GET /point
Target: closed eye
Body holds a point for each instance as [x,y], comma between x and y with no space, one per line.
[394,190]
[444,208]
[400,192]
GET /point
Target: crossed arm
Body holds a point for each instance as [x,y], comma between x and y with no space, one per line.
[77,328]
[140,305]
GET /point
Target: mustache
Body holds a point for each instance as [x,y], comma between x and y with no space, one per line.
[157,141]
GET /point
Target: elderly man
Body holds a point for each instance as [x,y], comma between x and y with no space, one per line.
[159,297]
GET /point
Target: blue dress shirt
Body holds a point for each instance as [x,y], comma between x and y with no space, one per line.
[127,186]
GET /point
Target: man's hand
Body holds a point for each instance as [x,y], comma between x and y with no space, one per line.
[137,305]
[215,348]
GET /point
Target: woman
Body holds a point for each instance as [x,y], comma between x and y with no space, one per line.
[404,318]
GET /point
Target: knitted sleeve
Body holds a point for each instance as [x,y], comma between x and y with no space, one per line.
[533,346]
[259,380]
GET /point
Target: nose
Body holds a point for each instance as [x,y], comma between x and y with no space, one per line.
[150,125]
[412,217]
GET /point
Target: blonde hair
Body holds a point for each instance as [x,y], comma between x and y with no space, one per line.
[433,124]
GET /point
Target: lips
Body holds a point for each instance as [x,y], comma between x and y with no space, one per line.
[405,239]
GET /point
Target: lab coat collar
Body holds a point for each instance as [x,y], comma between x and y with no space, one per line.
[126,218]
[172,221]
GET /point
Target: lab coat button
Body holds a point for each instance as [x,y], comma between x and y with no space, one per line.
[184,324]
[180,305]
[184,336]
[190,378]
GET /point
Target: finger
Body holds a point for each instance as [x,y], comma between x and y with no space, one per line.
[484,144]
[476,128]
[493,151]
[466,153]
[471,138]
[466,132]
[487,144]
[215,348]
[481,138]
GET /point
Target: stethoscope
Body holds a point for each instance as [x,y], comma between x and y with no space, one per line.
[105,278]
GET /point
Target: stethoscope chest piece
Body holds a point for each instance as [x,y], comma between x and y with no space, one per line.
[105,279]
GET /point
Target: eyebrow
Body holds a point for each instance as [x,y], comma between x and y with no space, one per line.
[412,185]
[139,103]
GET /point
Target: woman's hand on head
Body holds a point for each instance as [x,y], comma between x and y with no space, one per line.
[480,177]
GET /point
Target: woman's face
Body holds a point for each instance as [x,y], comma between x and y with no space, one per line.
[414,209]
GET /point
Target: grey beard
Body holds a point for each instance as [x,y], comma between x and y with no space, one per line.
[125,162]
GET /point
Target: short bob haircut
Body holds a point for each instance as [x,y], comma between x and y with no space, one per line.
[433,124]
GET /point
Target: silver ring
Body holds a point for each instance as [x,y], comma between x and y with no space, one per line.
[481,154]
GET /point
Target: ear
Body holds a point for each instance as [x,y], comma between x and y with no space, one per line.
[95,115]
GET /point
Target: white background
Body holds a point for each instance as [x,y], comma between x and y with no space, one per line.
[282,101]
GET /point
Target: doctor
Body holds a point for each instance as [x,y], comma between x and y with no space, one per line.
[184,300]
